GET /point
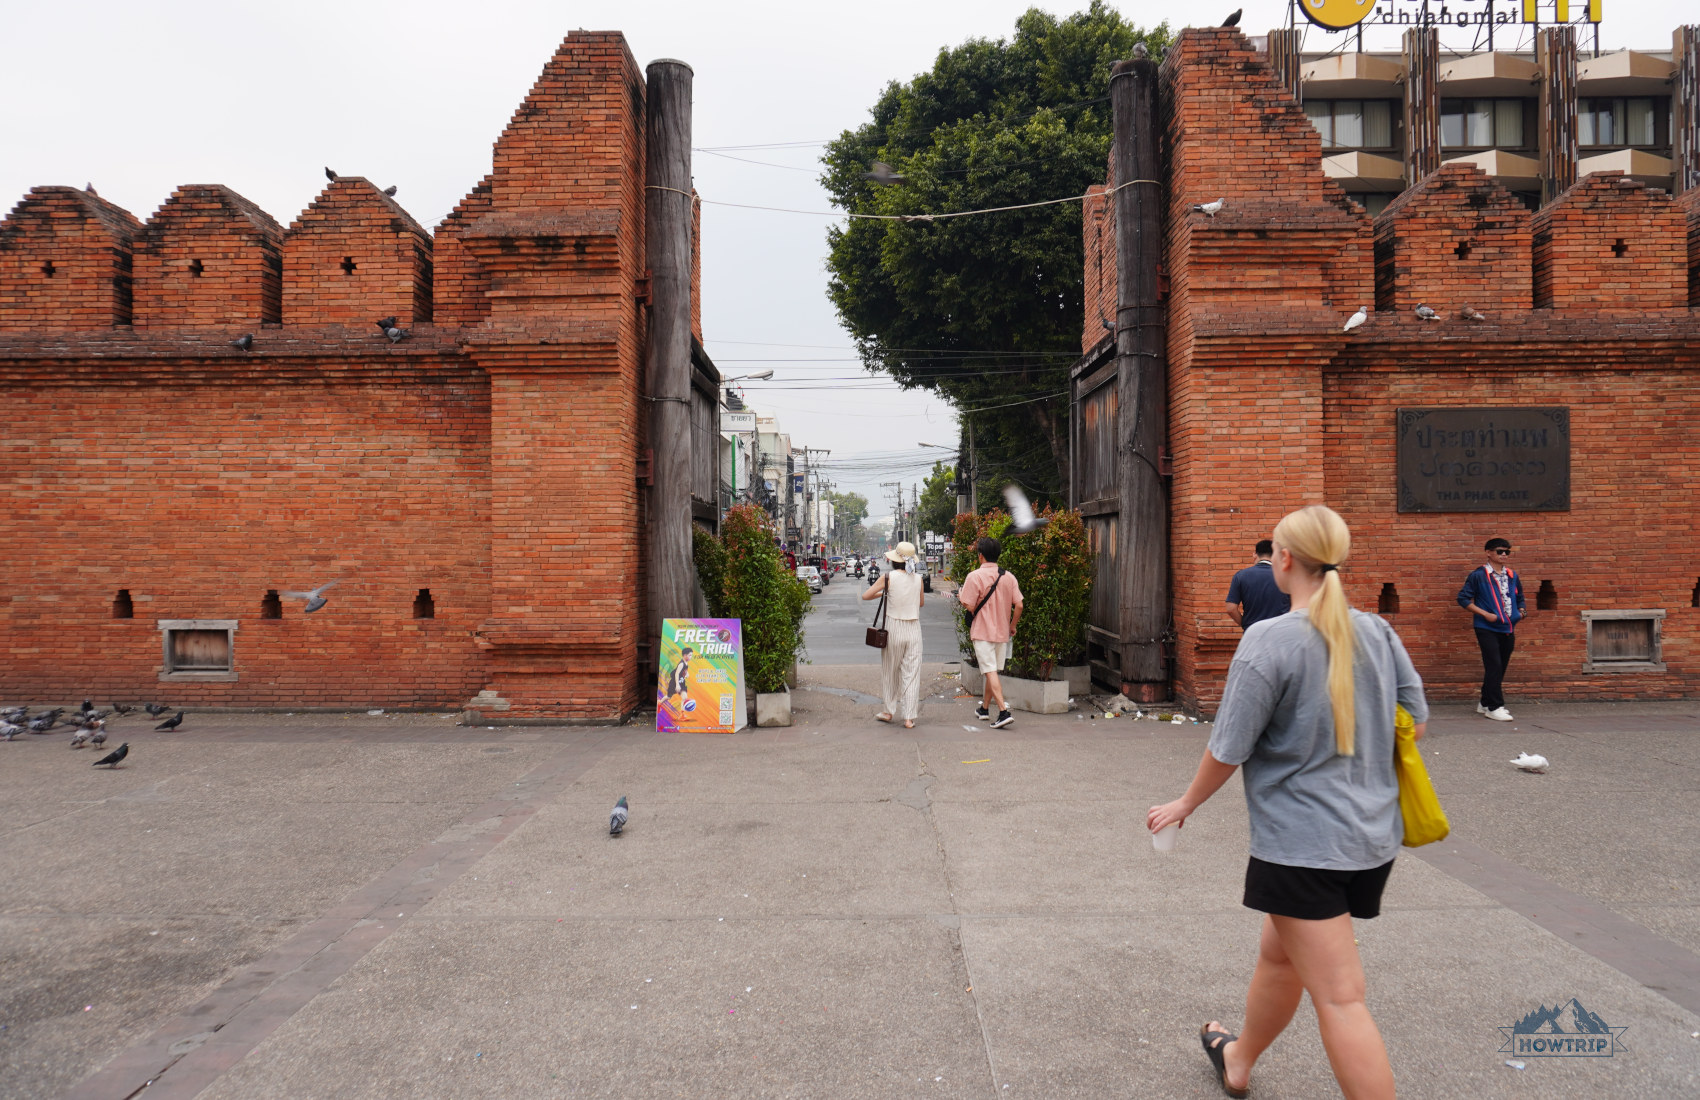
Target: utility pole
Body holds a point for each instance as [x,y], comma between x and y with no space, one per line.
[1142,384]
[667,217]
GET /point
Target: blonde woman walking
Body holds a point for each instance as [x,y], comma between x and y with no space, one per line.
[1308,713]
[900,660]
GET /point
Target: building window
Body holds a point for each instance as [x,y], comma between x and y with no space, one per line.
[1621,122]
[1373,202]
[198,649]
[1624,641]
[1352,123]
[1482,123]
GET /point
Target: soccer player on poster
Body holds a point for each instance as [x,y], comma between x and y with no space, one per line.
[679,683]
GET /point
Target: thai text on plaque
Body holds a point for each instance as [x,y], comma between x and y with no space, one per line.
[1475,459]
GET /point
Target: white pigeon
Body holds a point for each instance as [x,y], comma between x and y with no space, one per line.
[1356,319]
[315,598]
[1021,511]
[1424,313]
[1209,209]
[1528,763]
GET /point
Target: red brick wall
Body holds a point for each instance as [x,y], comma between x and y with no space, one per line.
[65,257]
[1273,407]
[208,257]
[354,256]
[1610,242]
[309,461]
[490,457]
[1098,232]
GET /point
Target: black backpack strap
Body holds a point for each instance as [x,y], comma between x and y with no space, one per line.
[987,596]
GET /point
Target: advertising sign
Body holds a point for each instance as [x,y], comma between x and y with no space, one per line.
[797,484]
[700,688]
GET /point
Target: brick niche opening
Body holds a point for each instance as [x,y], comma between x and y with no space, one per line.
[270,606]
[123,608]
[1546,599]
[424,607]
[1388,602]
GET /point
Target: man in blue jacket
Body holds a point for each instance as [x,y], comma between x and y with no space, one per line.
[1494,595]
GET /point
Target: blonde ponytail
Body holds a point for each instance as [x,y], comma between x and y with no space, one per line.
[1320,541]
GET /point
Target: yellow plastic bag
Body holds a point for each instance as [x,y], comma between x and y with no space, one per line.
[1425,821]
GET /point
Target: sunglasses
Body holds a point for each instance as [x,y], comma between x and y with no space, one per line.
[1503,553]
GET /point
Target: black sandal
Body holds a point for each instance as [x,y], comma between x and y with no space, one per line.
[1214,1050]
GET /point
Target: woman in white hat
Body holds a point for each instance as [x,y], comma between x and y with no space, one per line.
[900,660]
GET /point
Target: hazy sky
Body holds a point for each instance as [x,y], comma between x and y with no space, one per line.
[141,97]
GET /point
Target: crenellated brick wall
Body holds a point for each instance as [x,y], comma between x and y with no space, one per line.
[65,261]
[1273,406]
[208,257]
[489,458]
[354,256]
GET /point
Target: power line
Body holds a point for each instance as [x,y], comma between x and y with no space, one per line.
[925,218]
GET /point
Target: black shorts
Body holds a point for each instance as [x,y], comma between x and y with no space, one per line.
[1310,893]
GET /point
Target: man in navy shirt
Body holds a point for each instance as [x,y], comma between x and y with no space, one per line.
[1253,596]
[1493,595]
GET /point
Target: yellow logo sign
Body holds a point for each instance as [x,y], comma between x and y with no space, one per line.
[1337,14]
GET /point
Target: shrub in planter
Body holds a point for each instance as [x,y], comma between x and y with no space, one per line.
[710,554]
[758,589]
[1054,566]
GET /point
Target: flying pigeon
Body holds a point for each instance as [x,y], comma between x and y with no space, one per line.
[171,723]
[156,709]
[1021,512]
[1356,319]
[880,172]
[1234,19]
[1471,313]
[1528,763]
[245,342]
[1424,313]
[1210,209]
[1140,53]
[114,757]
[617,819]
[315,599]
[390,329]
[390,190]
[330,174]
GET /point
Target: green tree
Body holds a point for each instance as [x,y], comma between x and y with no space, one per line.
[985,310]
[938,500]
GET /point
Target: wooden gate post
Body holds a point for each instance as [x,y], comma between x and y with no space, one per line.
[667,231]
[1142,379]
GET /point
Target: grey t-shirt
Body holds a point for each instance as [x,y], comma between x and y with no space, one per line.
[1311,807]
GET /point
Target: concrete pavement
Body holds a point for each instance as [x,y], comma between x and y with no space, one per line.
[355,906]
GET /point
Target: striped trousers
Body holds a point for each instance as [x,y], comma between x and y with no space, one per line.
[900,669]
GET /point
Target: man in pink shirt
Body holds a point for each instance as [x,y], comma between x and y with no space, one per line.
[993,599]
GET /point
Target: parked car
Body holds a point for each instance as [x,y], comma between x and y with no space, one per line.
[809,575]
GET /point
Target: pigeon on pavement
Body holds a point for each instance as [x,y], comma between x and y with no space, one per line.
[156,709]
[114,757]
[1210,209]
[98,737]
[41,723]
[1424,313]
[171,723]
[1022,519]
[121,710]
[9,730]
[315,598]
[1528,763]
[617,819]
[1356,319]
[79,737]
[16,714]
[881,173]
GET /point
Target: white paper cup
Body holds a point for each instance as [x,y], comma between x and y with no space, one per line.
[1164,839]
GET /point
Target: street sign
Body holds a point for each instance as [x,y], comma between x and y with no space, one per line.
[737,421]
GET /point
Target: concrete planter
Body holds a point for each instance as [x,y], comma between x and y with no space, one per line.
[773,708]
[1033,696]
[1079,678]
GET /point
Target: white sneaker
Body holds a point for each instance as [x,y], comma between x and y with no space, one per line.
[1480,709]
[1499,714]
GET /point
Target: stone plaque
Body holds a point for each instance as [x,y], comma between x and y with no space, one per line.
[1474,459]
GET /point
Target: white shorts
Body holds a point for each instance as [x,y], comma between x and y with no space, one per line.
[991,655]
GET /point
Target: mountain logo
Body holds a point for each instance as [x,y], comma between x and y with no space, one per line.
[1568,1030]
